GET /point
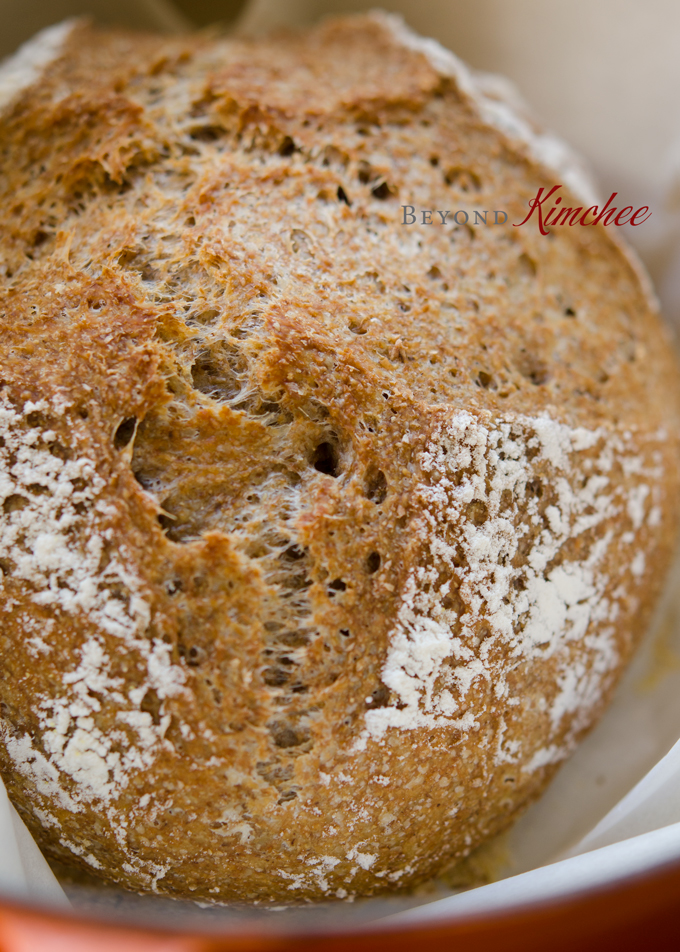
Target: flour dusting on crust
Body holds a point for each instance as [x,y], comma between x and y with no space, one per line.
[481,520]
[50,507]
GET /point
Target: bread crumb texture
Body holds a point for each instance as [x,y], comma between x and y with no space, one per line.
[323,539]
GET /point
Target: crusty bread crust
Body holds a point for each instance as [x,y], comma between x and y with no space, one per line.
[323,539]
[25,68]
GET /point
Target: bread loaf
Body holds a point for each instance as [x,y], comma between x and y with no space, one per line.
[324,539]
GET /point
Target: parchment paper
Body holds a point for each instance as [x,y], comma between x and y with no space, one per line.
[614,808]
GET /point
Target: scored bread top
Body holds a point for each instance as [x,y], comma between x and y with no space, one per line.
[324,538]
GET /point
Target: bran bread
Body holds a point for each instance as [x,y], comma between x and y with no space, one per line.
[323,539]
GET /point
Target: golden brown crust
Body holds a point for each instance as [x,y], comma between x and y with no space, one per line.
[323,539]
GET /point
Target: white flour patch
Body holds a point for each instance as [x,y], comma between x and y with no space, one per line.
[365,860]
[54,539]
[484,530]
[545,756]
[79,851]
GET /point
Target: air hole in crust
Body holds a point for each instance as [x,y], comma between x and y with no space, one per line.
[165,522]
[151,704]
[376,486]
[275,677]
[325,459]
[373,563]
[36,418]
[206,133]
[195,656]
[527,265]
[14,503]
[217,371]
[294,639]
[365,173]
[293,553]
[463,179]
[124,433]
[477,512]
[383,191]
[287,146]
[287,795]
[535,488]
[379,698]
[284,735]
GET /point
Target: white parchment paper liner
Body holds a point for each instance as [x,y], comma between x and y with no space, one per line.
[614,808]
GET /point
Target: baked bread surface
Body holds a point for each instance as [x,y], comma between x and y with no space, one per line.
[323,538]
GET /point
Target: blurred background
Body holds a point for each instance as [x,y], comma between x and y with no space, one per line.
[604,74]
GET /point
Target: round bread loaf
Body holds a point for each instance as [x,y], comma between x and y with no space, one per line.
[324,538]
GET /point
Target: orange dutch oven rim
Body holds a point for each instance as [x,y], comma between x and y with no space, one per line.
[629,898]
